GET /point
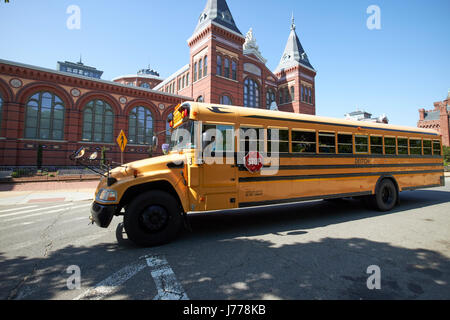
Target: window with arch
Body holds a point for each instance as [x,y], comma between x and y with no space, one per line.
[287,96]
[98,122]
[200,69]
[251,93]
[292,93]
[270,98]
[205,66]
[219,66]
[195,71]
[140,126]
[226,69]
[234,70]
[145,85]
[225,100]
[44,117]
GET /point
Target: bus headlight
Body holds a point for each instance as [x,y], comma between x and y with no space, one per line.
[107,195]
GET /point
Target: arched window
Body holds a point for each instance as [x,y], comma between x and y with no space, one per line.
[226,69]
[234,70]
[98,122]
[270,97]
[281,96]
[200,99]
[145,85]
[205,66]
[44,117]
[140,129]
[195,71]
[200,69]
[287,96]
[292,93]
[251,93]
[225,100]
[219,66]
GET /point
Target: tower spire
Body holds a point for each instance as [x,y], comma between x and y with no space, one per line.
[293,53]
[217,12]
[293,21]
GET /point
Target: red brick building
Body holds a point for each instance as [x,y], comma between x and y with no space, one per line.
[61,112]
[227,67]
[438,119]
[57,112]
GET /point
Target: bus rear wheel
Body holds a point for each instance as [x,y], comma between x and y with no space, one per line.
[386,197]
[152,219]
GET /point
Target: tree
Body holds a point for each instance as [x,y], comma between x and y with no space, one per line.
[447,155]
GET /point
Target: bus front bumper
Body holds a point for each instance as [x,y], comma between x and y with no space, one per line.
[102,215]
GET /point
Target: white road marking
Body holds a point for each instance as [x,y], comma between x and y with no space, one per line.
[166,282]
[43,213]
[110,284]
[16,209]
[34,210]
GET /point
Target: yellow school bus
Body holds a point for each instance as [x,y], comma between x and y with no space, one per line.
[258,158]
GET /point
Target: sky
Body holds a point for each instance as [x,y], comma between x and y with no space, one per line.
[394,70]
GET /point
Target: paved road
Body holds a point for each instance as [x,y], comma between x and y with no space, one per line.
[314,250]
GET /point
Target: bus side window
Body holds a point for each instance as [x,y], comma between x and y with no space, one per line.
[251,139]
[415,146]
[327,142]
[376,145]
[303,142]
[437,148]
[427,148]
[277,138]
[402,146]
[218,138]
[390,146]
[362,144]
[345,143]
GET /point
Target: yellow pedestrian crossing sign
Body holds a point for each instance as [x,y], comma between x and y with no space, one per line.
[122,141]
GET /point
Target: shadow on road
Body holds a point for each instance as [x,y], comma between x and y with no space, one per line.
[215,261]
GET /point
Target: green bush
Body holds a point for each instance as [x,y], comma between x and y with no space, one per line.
[15,174]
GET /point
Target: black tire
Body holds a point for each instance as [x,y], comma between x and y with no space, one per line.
[386,197]
[153,218]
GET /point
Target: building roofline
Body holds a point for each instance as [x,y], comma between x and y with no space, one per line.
[172,76]
[137,76]
[17,64]
[217,25]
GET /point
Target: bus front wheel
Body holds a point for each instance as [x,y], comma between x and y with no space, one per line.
[386,197]
[153,218]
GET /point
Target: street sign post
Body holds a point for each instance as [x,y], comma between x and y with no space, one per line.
[122,141]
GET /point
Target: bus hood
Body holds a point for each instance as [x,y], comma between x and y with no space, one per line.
[150,166]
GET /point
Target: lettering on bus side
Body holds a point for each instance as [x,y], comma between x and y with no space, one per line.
[361,161]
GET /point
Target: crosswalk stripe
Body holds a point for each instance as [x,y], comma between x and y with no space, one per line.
[17,209]
[165,280]
[18,225]
[41,213]
[111,283]
[34,210]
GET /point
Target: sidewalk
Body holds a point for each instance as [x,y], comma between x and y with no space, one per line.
[47,192]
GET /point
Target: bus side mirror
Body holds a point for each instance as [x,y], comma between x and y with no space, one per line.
[80,153]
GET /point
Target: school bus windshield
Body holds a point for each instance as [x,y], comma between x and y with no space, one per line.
[183,137]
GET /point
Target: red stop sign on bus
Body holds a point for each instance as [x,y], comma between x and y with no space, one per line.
[253,161]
